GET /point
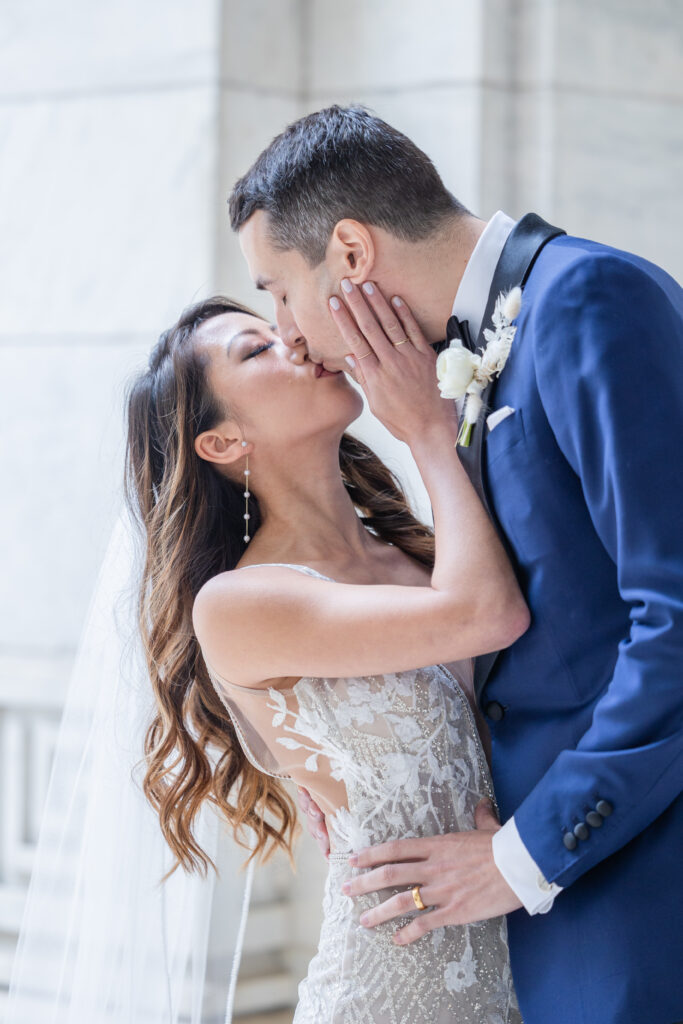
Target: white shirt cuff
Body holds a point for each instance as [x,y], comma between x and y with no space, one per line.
[521,872]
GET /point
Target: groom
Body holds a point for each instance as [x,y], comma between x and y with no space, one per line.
[577,456]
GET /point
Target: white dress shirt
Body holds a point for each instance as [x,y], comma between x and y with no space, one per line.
[513,860]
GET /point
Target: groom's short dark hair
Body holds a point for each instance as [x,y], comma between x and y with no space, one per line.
[341,162]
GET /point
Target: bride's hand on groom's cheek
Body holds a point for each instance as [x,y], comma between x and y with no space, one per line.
[392,360]
[457,875]
[315,819]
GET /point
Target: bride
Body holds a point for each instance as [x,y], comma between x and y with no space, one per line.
[295,610]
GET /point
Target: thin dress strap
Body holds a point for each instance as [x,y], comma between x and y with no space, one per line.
[289,565]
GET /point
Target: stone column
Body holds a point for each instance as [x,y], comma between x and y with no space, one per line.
[582,119]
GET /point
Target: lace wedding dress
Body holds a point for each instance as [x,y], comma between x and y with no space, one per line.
[385,757]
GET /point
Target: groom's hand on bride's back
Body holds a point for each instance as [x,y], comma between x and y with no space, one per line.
[315,819]
[457,875]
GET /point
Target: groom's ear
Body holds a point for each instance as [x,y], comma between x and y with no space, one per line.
[351,251]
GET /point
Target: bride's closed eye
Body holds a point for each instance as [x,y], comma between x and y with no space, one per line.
[261,348]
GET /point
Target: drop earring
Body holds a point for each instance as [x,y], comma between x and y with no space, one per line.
[247,493]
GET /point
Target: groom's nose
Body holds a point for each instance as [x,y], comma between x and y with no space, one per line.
[293,339]
[288,329]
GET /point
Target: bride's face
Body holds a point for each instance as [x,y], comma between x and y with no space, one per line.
[275,393]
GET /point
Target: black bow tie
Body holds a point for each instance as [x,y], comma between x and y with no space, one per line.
[459,329]
[456,329]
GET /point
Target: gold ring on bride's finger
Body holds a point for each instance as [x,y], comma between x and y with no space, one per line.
[366,354]
[397,343]
[417,899]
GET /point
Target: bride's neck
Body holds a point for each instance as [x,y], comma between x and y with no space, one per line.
[307,514]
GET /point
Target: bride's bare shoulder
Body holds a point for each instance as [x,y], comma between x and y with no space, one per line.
[238,593]
[237,613]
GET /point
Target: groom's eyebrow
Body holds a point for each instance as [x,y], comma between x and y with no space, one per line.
[264,282]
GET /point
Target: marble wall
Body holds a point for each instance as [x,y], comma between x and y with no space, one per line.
[588,118]
[108,135]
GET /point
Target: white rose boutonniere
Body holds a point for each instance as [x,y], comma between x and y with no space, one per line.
[455,368]
[463,373]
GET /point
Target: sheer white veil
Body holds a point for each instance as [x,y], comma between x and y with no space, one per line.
[101,940]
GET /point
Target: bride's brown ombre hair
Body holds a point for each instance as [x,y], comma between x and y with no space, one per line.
[190,516]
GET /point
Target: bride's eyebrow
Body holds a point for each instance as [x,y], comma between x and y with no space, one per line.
[264,282]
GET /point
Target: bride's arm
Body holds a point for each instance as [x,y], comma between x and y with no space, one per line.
[274,622]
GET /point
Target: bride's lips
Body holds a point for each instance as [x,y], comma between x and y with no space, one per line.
[320,371]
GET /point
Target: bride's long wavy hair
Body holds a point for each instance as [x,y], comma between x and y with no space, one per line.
[191,520]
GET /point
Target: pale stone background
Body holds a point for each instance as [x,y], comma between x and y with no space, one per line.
[122,129]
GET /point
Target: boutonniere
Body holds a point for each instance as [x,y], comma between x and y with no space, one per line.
[464,373]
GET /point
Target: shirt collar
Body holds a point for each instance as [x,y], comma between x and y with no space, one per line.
[473,290]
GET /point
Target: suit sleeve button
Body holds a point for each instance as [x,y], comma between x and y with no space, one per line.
[594,819]
[570,840]
[494,711]
[604,808]
[581,830]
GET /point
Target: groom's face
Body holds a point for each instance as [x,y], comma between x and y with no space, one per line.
[300,293]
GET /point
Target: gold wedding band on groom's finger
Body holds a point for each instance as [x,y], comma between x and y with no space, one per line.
[369,353]
[417,899]
[397,343]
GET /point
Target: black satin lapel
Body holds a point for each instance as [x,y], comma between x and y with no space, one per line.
[521,248]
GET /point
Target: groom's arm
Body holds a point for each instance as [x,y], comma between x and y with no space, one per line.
[608,351]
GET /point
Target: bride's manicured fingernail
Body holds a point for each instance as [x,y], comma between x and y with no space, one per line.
[346,284]
[335,303]
[399,940]
[353,859]
[364,919]
[367,287]
[396,301]
[351,361]
[345,887]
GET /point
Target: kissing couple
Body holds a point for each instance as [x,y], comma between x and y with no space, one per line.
[484,719]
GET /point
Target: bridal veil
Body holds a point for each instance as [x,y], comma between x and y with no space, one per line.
[101,940]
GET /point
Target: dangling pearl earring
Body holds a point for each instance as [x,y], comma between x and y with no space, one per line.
[247,492]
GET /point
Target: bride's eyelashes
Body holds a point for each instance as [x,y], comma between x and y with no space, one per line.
[261,348]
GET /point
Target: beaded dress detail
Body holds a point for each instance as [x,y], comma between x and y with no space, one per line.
[386,757]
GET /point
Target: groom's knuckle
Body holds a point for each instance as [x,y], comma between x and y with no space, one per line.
[435,871]
[388,874]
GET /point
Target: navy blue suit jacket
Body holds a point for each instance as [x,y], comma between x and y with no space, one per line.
[586,480]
